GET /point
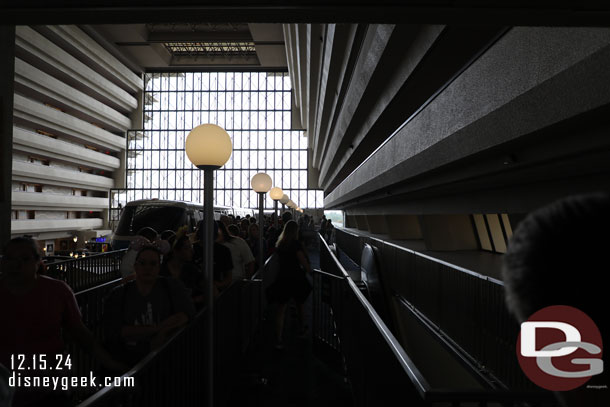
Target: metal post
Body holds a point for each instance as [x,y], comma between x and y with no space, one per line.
[261,262]
[261,203]
[7,74]
[208,240]
[275,223]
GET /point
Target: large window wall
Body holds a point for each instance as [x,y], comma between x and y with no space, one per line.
[254,108]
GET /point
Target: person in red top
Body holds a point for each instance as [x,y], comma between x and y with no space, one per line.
[34,312]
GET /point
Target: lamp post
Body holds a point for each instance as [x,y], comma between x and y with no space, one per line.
[276,194]
[209,147]
[261,184]
[284,200]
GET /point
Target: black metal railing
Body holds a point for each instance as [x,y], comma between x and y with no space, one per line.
[86,272]
[351,244]
[377,366]
[326,343]
[175,374]
[466,306]
[91,305]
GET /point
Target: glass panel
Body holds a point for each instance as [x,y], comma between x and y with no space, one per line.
[285,181]
[237,101]
[319,199]
[278,159]
[302,179]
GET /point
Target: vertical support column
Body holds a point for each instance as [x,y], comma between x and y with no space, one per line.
[275,223]
[208,241]
[261,224]
[7,74]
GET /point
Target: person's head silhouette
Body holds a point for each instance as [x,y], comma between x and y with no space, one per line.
[558,255]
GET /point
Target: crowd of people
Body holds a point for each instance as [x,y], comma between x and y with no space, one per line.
[162,288]
[163,285]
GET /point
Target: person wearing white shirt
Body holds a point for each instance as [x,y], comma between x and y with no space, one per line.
[243,260]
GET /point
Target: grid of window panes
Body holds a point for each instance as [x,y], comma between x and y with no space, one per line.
[254,108]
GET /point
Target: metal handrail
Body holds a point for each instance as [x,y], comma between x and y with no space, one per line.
[430,394]
[86,272]
[405,362]
[427,257]
[159,368]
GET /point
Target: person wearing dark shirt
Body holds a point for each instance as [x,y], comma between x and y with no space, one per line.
[35,311]
[141,315]
[291,281]
[179,264]
[223,264]
[253,243]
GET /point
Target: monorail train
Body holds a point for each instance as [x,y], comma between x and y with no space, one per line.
[163,215]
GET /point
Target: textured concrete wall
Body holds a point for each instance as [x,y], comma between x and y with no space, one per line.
[531,79]
[403,227]
[377,224]
[448,232]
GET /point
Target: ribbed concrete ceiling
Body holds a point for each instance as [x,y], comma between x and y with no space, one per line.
[194,45]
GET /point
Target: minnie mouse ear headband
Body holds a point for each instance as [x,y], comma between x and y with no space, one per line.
[139,242]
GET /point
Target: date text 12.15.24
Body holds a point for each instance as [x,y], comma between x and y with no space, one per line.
[41,362]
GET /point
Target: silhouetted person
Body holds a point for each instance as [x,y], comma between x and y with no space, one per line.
[291,282]
[145,236]
[36,312]
[179,264]
[141,315]
[330,232]
[253,239]
[223,264]
[241,256]
[558,256]
[323,227]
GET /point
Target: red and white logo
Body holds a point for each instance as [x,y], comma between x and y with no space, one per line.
[560,348]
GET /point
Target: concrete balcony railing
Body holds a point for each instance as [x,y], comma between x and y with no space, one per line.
[46,201]
[41,174]
[35,48]
[44,225]
[39,85]
[37,115]
[92,53]
[34,143]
